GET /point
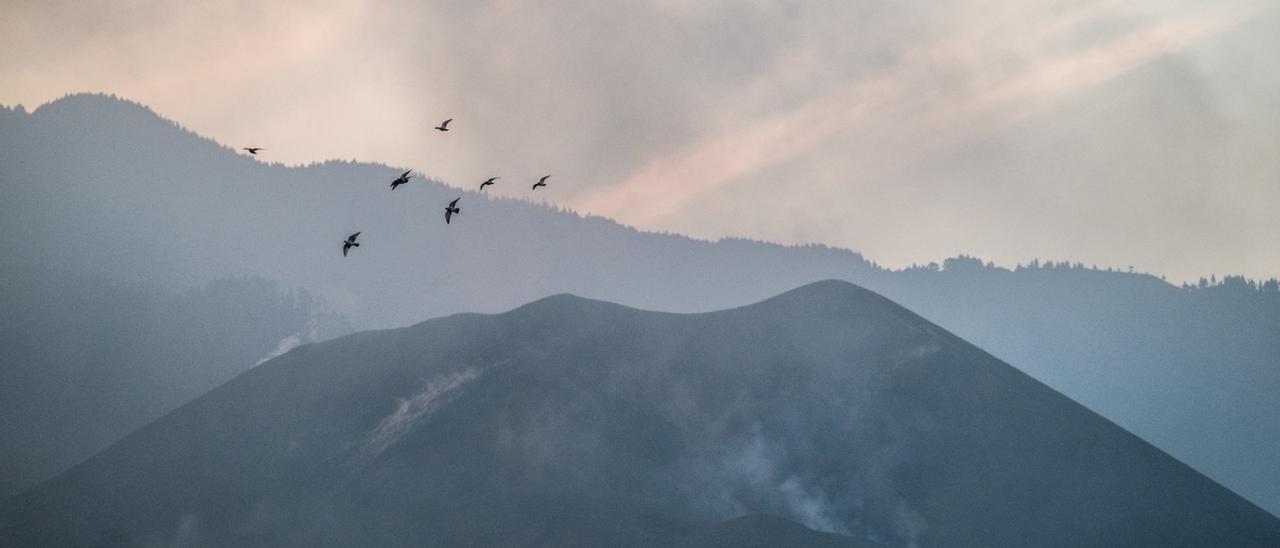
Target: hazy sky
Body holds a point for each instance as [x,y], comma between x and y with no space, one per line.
[1141,133]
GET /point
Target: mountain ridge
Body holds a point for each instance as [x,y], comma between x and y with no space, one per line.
[64,108]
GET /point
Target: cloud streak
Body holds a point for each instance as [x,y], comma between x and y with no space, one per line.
[669,185]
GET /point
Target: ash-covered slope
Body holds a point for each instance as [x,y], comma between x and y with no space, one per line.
[577,422]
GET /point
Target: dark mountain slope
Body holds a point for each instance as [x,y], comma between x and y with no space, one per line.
[578,422]
[762,531]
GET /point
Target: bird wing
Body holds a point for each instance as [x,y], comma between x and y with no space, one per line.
[352,237]
[406,174]
[448,213]
[345,247]
[446,123]
[454,202]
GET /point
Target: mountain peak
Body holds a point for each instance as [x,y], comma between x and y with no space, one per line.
[831,298]
[91,104]
[832,290]
[560,303]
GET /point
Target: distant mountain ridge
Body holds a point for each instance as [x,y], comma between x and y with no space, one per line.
[107,186]
[572,422]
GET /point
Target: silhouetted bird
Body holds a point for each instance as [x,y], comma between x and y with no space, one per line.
[349,243]
[444,126]
[252,150]
[402,179]
[488,182]
[541,182]
[451,210]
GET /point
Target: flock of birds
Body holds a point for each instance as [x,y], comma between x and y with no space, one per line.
[449,210]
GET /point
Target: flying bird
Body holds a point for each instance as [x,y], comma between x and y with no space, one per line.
[452,209]
[444,126]
[402,179]
[349,243]
[252,150]
[488,182]
[541,182]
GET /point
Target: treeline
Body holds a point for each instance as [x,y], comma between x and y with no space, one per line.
[963,263]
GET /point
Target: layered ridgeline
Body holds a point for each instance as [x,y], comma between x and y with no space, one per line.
[103,183]
[825,416]
[85,361]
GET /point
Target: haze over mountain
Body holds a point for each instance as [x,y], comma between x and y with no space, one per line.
[571,422]
[85,361]
[96,184]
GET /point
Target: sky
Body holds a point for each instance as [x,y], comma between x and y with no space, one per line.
[1136,133]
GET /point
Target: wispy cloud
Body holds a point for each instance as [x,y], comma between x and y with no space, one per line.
[901,103]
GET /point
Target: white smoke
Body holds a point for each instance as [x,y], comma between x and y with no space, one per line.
[908,523]
[411,411]
[286,344]
[810,506]
[186,534]
[308,334]
[761,464]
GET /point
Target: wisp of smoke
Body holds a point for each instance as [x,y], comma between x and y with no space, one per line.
[410,411]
